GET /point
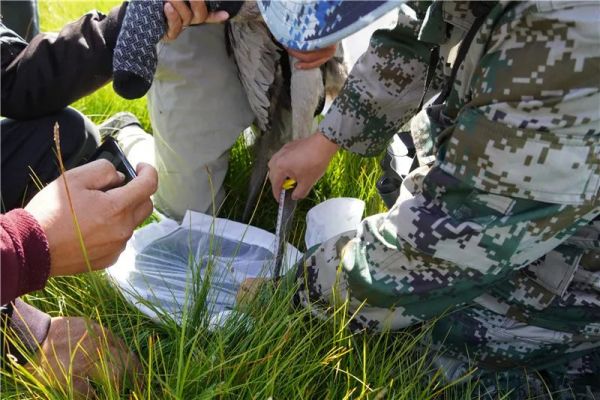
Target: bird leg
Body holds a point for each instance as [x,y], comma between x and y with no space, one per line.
[307,89]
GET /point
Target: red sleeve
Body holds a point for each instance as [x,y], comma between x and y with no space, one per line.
[24,255]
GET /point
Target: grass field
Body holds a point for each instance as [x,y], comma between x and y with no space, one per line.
[284,354]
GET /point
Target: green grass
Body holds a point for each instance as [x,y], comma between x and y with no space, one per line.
[282,354]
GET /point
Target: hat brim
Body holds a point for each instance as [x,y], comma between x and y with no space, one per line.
[315,24]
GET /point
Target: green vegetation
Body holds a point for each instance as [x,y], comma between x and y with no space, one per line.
[283,353]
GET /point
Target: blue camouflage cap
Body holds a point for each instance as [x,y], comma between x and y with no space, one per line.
[314,24]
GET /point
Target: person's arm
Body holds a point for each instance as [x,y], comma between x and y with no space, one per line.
[25,256]
[517,176]
[382,91]
[380,95]
[42,241]
[55,70]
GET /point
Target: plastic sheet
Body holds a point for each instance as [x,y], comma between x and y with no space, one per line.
[164,263]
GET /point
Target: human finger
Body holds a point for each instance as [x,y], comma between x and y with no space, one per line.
[139,189]
[306,56]
[276,175]
[185,13]
[217,17]
[174,22]
[310,65]
[313,55]
[110,259]
[133,369]
[118,362]
[82,388]
[142,211]
[126,360]
[276,179]
[302,189]
[96,175]
[199,11]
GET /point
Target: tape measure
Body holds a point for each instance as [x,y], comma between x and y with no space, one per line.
[285,211]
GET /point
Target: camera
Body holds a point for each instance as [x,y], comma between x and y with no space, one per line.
[110,150]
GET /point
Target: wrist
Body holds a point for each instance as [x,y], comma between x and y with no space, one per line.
[328,146]
[43,220]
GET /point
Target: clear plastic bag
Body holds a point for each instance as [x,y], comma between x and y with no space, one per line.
[165,262]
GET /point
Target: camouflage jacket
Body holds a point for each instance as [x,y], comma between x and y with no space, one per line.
[501,212]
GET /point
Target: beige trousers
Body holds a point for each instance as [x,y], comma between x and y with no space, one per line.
[198,109]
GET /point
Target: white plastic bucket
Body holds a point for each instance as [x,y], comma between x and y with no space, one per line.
[331,218]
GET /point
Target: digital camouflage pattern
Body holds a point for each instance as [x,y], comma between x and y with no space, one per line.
[497,233]
[314,24]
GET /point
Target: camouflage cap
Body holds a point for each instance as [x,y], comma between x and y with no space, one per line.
[314,24]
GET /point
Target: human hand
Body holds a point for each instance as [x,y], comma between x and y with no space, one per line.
[77,350]
[249,289]
[252,294]
[106,218]
[179,16]
[304,160]
[314,58]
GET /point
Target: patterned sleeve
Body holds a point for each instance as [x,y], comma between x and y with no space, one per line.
[381,92]
[494,221]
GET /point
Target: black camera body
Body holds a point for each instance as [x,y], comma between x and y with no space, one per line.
[110,150]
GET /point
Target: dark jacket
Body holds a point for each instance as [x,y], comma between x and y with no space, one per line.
[53,71]
[38,79]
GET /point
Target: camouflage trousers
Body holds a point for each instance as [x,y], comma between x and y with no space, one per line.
[514,360]
[566,379]
[552,347]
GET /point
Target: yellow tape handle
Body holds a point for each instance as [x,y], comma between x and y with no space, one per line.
[288,184]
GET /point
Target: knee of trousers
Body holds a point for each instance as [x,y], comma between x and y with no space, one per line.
[79,137]
[29,149]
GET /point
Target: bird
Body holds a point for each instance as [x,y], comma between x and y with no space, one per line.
[284,99]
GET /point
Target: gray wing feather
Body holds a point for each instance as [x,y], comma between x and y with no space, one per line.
[257,58]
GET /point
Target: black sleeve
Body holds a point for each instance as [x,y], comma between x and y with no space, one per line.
[54,70]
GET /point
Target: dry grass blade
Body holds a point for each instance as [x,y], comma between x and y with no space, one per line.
[62,168]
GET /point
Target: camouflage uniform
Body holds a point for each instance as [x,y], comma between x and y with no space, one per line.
[497,232]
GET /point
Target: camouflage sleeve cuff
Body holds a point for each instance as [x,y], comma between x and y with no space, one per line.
[341,130]
[381,93]
[330,126]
